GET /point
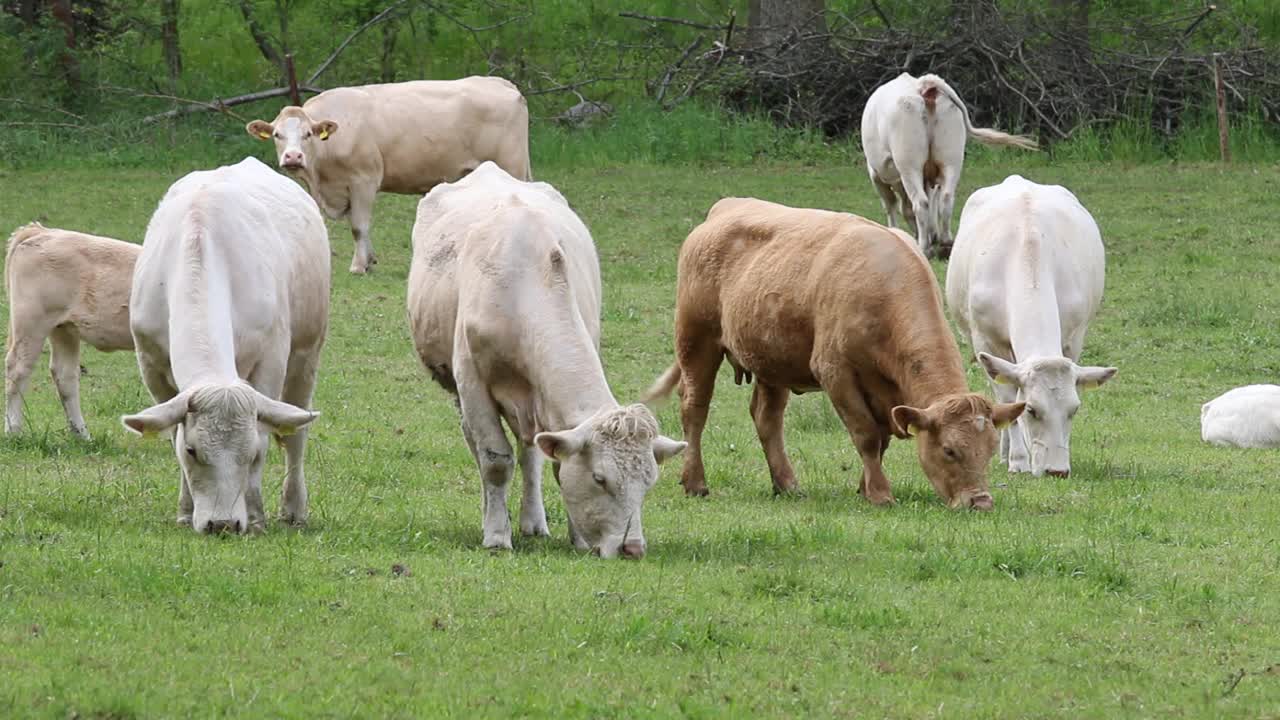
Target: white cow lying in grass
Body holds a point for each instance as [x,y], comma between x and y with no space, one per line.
[504,306]
[65,286]
[1246,417]
[1025,280]
[913,136]
[229,311]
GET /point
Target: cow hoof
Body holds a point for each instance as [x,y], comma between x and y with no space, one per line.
[497,542]
[881,500]
[359,270]
[184,520]
[534,530]
[295,520]
[697,491]
[1019,466]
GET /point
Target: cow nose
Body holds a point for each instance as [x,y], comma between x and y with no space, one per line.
[291,159]
[983,502]
[222,526]
[633,549]
[1060,473]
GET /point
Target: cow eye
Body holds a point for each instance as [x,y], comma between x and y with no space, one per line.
[191,452]
[600,479]
[277,136]
[951,453]
[1033,413]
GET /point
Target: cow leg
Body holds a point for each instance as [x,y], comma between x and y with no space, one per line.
[867,434]
[768,405]
[945,203]
[888,198]
[299,388]
[908,213]
[1018,458]
[574,537]
[533,516]
[913,186]
[482,428]
[24,351]
[64,365]
[698,365]
[157,383]
[361,216]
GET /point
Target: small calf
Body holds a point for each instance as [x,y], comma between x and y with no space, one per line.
[1246,417]
[66,286]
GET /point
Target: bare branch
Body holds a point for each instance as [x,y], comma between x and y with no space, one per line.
[355,34]
[218,104]
[674,21]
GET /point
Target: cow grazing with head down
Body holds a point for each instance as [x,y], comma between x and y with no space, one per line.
[504,306]
[913,136]
[814,300]
[348,144]
[68,287]
[1025,280]
[229,311]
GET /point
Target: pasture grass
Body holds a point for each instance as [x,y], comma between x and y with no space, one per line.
[1147,584]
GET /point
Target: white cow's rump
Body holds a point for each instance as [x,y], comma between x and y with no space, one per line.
[68,287]
[1246,417]
[229,310]
[913,136]
[504,307]
[348,144]
[1025,279]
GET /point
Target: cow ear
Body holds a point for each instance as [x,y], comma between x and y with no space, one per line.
[281,417]
[324,129]
[908,421]
[1000,370]
[260,129]
[157,418]
[1005,413]
[664,448]
[560,446]
[1092,377]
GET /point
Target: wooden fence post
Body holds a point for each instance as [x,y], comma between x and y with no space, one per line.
[1224,147]
[294,96]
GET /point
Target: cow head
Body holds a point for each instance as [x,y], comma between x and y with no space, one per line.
[220,437]
[606,466]
[1049,387]
[955,438]
[296,136]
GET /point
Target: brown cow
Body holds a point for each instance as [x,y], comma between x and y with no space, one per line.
[807,300]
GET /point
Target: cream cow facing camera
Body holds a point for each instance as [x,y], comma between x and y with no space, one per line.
[504,307]
[229,310]
[348,144]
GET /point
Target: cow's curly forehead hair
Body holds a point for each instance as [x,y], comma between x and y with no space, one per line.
[966,406]
[632,424]
[225,406]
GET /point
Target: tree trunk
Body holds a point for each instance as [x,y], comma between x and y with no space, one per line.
[169,37]
[27,11]
[771,21]
[67,58]
[260,37]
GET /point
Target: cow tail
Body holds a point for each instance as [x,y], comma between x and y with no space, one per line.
[931,85]
[662,387]
[19,236]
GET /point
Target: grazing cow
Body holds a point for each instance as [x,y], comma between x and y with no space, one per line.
[229,311]
[1246,417]
[66,286]
[347,144]
[914,147]
[1024,282]
[814,300]
[504,306]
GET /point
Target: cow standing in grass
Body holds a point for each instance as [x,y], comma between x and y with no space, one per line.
[229,311]
[348,144]
[68,287]
[913,136]
[504,307]
[1024,282]
[809,300]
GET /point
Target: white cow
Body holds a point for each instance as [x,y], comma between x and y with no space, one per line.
[347,144]
[504,306]
[68,287]
[1246,417]
[914,147]
[229,310]
[1025,280]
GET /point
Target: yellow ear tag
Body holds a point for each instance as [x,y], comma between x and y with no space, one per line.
[324,134]
[1002,380]
[1002,425]
[913,430]
[264,135]
[1088,385]
[150,434]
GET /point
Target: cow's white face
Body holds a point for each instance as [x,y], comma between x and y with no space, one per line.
[1050,388]
[295,135]
[220,437]
[606,467]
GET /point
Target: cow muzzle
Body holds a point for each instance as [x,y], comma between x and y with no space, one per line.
[292,160]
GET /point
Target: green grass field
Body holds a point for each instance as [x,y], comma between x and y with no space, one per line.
[1146,585]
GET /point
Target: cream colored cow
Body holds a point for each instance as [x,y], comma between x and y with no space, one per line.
[68,287]
[348,144]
